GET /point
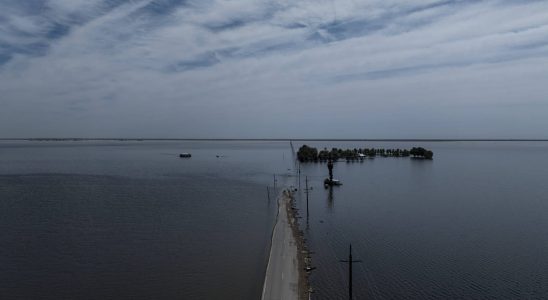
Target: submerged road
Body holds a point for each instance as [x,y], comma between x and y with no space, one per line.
[282,272]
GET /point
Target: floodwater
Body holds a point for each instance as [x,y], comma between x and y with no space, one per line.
[470,224]
[132,220]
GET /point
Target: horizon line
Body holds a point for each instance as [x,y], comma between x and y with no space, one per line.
[289,139]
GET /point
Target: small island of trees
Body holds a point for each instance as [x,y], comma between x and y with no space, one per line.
[311,154]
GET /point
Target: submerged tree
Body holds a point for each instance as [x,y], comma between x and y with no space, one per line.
[421,152]
[311,154]
[307,153]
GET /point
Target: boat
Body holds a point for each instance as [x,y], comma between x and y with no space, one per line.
[332,182]
[185,155]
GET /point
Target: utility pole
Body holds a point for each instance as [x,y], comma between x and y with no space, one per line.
[299,174]
[350,261]
[330,168]
[274,181]
[306,191]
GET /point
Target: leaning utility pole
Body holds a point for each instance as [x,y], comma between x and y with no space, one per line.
[350,261]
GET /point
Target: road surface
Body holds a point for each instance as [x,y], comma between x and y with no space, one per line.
[282,272]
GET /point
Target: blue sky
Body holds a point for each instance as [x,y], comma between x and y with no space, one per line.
[274,69]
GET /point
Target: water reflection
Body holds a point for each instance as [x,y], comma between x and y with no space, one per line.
[330,198]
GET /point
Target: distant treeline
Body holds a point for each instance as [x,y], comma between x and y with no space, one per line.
[311,154]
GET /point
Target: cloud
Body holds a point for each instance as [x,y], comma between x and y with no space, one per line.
[222,68]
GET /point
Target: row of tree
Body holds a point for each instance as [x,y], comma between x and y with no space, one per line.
[421,152]
[307,154]
[311,154]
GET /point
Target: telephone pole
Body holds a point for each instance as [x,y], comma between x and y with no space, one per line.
[350,261]
[306,192]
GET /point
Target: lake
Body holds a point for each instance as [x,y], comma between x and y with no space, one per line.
[132,220]
[470,224]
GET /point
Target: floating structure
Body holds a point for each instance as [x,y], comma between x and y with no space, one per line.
[185,155]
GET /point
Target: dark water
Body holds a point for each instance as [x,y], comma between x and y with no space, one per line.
[130,220]
[471,224]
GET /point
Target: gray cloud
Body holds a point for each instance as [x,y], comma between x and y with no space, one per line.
[218,68]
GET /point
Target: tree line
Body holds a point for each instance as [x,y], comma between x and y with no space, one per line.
[311,154]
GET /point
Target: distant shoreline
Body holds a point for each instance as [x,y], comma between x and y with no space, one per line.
[268,139]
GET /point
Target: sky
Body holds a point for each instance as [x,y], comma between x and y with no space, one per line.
[274,69]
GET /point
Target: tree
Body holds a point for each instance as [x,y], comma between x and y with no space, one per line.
[307,153]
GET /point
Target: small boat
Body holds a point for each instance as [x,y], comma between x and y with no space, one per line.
[328,182]
[185,155]
[336,182]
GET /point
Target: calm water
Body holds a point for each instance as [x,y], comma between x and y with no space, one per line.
[471,224]
[130,220]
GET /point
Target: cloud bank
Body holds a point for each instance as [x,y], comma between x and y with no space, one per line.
[253,69]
